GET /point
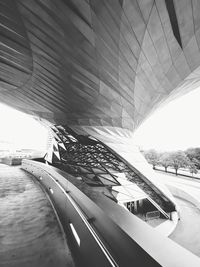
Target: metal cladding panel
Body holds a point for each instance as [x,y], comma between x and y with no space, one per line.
[96,63]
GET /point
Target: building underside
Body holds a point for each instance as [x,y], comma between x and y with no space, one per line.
[93,71]
[97,64]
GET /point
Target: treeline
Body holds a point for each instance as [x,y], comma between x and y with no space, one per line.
[179,159]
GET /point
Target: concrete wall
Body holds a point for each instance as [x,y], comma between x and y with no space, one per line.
[181,193]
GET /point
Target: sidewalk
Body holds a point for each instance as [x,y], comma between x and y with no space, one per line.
[181,172]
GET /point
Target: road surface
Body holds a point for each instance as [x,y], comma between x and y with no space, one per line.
[187,232]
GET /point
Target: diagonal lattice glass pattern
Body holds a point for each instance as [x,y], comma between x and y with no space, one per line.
[99,166]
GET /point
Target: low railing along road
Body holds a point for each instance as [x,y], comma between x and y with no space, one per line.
[108,237]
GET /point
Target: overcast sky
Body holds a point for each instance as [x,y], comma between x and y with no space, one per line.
[21,130]
[175,126]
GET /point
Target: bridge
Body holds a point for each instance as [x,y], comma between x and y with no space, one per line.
[93,71]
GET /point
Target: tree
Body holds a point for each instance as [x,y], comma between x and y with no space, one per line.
[152,157]
[192,167]
[178,160]
[194,154]
[165,160]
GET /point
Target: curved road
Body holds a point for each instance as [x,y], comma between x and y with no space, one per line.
[30,234]
[186,233]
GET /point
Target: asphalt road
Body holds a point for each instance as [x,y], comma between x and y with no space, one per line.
[187,232]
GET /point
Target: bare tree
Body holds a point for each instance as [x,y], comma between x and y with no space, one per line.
[192,167]
[179,160]
[165,160]
[194,155]
[152,157]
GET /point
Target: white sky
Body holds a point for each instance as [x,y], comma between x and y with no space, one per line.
[175,126]
[21,130]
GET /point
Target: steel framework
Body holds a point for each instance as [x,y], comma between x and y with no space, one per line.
[98,165]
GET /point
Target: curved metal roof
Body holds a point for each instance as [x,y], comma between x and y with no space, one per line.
[105,63]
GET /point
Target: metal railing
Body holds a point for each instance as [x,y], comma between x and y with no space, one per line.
[112,237]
